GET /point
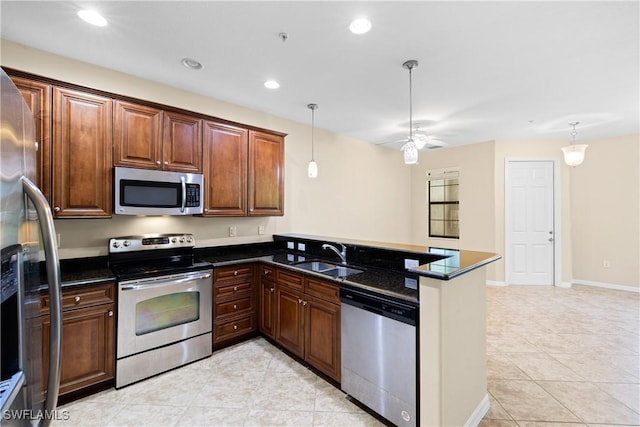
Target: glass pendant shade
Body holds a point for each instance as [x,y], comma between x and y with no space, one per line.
[574,154]
[312,169]
[410,150]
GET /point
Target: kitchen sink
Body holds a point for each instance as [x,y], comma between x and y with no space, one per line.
[328,268]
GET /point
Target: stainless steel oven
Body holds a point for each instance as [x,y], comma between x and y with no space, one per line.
[164,305]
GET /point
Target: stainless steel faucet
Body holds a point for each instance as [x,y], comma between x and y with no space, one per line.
[342,254]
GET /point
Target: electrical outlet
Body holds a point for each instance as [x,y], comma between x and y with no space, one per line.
[232,231]
[606,263]
[409,263]
[261,229]
[302,247]
[290,245]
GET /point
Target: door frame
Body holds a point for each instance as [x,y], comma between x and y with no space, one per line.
[557,215]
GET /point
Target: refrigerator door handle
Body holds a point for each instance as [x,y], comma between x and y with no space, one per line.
[53,276]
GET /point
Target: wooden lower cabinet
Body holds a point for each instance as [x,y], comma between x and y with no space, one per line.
[308,320]
[267,297]
[234,306]
[88,339]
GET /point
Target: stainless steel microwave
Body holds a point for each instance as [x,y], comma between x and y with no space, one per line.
[153,192]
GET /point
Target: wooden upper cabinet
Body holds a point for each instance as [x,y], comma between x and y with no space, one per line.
[266,174]
[182,143]
[81,161]
[137,136]
[150,138]
[225,167]
[38,98]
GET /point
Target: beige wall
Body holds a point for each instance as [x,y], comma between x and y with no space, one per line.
[605,199]
[361,191]
[599,205]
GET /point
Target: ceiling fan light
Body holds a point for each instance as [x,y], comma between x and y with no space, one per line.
[92,17]
[410,152]
[574,154]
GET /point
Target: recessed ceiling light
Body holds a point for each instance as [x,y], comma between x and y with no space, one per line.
[191,64]
[92,17]
[271,84]
[360,26]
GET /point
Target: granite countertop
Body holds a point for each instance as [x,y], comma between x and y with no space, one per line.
[382,263]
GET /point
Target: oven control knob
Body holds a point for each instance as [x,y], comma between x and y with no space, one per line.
[116,244]
[126,243]
[189,239]
[173,240]
[181,239]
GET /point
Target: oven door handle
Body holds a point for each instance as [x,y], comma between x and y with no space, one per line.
[147,284]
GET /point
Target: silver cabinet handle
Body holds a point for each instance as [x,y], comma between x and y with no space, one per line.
[152,283]
[110,313]
[235,273]
[235,289]
[76,299]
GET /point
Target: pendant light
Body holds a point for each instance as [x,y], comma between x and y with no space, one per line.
[574,153]
[312,169]
[410,149]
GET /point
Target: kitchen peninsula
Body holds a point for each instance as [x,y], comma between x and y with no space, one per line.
[447,287]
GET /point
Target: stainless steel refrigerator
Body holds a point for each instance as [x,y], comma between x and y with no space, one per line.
[27,240]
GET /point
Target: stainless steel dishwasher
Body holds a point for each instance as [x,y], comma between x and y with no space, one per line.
[379,354]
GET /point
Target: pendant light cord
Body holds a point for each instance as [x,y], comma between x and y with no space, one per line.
[410,106]
[313,126]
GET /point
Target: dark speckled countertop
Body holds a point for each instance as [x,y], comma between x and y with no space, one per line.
[382,264]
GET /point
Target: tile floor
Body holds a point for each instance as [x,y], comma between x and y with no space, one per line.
[555,357]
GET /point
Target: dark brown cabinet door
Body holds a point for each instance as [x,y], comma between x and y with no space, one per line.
[81,163]
[182,143]
[225,151]
[266,174]
[267,307]
[38,99]
[322,336]
[290,320]
[137,136]
[88,347]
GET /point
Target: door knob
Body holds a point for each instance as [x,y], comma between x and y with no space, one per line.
[550,239]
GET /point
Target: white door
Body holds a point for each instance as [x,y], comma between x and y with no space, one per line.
[530,234]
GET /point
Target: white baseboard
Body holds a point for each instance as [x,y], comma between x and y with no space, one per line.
[564,285]
[479,413]
[495,283]
[606,285]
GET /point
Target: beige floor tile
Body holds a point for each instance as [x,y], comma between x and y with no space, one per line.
[331,399]
[496,411]
[629,394]
[147,415]
[497,423]
[501,367]
[345,419]
[546,424]
[211,417]
[526,400]
[266,417]
[595,368]
[86,413]
[541,366]
[590,403]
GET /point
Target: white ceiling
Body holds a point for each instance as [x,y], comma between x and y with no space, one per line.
[488,70]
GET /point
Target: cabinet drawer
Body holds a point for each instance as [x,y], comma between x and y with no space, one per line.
[82,297]
[236,306]
[290,279]
[267,273]
[322,289]
[231,289]
[232,328]
[232,274]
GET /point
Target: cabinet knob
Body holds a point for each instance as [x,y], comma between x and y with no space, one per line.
[110,313]
[235,273]
[158,162]
[266,272]
[76,299]
[235,307]
[271,289]
[166,163]
[235,327]
[299,301]
[56,209]
[304,303]
[235,289]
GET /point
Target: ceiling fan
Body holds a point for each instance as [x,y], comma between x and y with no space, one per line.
[421,139]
